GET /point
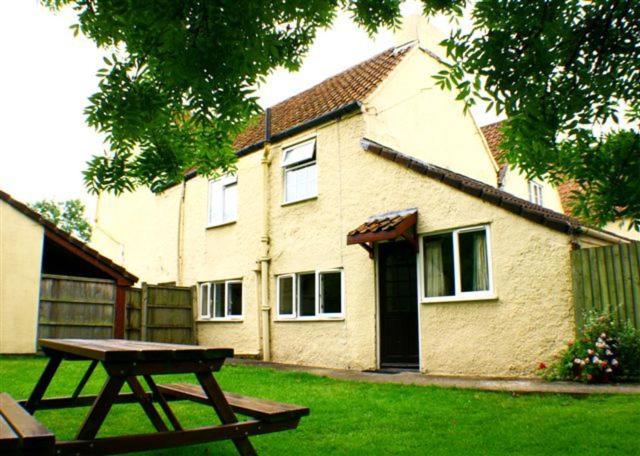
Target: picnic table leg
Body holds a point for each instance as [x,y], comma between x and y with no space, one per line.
[100,408]
[84,380]
[43,383]
[222,408]
[146,404]
[163,403]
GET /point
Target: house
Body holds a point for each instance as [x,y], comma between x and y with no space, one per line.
[364,228]
[30,248]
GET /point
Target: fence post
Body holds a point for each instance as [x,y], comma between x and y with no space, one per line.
[144,300]
[194,310]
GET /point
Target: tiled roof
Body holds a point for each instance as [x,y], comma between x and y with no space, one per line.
[352,85]
[26,210]
[479,189]
[386,222]
[493,136]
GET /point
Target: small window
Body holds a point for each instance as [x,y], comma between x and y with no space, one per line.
[310,294]
[456,265]
[205,308]
[300,172]
[286,295]
[535,193]
[330,292]
[221,300]
[223,200]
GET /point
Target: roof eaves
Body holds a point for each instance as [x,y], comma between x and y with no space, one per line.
[481,190]
[26,210]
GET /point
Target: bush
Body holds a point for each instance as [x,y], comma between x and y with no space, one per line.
[605,353]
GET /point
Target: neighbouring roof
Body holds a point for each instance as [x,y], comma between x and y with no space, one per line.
[344,89]
[56,234]
[493,136]
[486,192]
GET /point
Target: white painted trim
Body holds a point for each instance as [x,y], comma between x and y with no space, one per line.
[459,296]
[211,301]
[295,167]
[223,182]
[319,316]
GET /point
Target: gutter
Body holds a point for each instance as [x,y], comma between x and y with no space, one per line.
[604,235]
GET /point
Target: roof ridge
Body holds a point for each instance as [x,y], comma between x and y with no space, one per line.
[400,49]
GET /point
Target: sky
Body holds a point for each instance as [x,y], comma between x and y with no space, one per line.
[47,74]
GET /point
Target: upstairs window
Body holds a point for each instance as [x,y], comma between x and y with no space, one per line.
[300,172]
[535,192]
[221,300]
[223,200]
[310,295]
[456,265]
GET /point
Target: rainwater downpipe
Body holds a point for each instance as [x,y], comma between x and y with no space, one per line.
[265,259]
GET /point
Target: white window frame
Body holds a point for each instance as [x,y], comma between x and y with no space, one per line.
[223,182]
[295,315]
[299,164]
[535,193]
[210,314]
[458,295]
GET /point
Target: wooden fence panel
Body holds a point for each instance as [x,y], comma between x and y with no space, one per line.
[159,313]
[607,279]
[76,307]
[133,305]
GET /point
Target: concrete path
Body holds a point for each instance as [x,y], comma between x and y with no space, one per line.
[416,378]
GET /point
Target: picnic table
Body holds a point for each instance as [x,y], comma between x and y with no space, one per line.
[125,361]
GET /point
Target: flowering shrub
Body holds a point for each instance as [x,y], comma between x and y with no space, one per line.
[606,353]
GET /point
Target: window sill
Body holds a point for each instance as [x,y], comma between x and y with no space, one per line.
[218,225]
[220,320]
[299,320]
[454,299]
[291,203]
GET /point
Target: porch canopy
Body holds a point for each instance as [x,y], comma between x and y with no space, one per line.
[384,227]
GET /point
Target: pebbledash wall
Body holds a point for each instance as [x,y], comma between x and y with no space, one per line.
[526,322]
[20,261]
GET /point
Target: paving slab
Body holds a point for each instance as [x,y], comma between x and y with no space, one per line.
[406,377]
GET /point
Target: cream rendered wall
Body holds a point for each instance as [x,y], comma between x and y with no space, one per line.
[21,242]
[517,184]
[227,252]
[139,230]
[533,313]
[408,112]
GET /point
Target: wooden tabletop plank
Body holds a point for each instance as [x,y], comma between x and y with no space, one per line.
[119,350]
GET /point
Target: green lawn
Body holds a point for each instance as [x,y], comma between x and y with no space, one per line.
[363,418]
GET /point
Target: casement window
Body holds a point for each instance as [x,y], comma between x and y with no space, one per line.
[310,295]
[223,200]
[535,192]
[300,172]
[221,300]
[456,265]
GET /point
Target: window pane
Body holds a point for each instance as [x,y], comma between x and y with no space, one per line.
[285,304]
[438,265]
[307,294]
[204,300]
[219,302]
[215,202]
[474,267]
[235,298]
[301,183]
[299,153]
[331,292]
[230,202]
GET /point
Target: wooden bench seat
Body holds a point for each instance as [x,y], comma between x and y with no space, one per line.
[21,433]
[261,409]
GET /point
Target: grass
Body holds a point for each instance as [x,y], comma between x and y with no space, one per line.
[364,418]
